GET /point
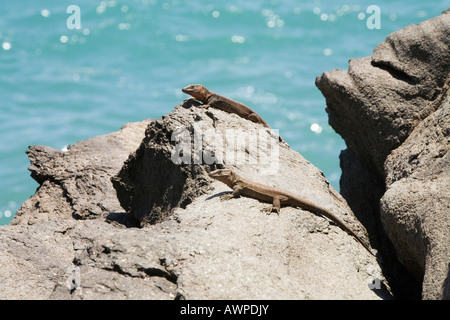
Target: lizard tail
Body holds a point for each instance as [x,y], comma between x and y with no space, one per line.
[339,222]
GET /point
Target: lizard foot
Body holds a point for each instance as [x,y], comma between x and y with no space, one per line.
[227,196]
[269,210]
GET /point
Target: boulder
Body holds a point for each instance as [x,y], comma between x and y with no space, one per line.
[416,207]
[151,184]
[197,141]
[189,243]
[392,110]
[76,183]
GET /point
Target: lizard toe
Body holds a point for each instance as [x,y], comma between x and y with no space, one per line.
[225,197]
[267,210]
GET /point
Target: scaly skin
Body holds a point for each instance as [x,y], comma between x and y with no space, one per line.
[214,100]
[277,197]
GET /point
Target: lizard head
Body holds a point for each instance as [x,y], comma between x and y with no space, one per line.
[198,91]
[223,175]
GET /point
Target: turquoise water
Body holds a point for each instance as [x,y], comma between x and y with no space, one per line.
[129,59]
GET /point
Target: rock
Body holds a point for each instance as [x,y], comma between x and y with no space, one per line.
[192,245]
[150,185]
[416,207]
[392,111]
[205,256]
[237,240]
[68,259]
[76,184]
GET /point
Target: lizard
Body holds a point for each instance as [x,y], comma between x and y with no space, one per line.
[277,197]
[212,99]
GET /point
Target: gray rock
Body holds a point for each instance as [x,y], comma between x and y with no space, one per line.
[223,254]
[76,184]
[415,209]
[391,110]
[389,93]
[150,184]
[239,246]
[200,248]
[68,259]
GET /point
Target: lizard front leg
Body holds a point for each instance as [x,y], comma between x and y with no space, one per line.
[192,99]
[235,194]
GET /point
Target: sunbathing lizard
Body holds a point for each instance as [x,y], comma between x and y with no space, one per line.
[276,196]
[211,99]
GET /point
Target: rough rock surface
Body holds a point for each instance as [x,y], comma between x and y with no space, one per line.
[200,248]
[77,183]
[150,184]
[392,109]
[256,153]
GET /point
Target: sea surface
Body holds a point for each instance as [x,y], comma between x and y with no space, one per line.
[68,75]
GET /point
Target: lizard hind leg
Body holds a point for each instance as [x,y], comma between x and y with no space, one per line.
[254,117]
[276,205]
[268,210]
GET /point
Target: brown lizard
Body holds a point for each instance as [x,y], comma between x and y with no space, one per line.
[212,99]
[276,196]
